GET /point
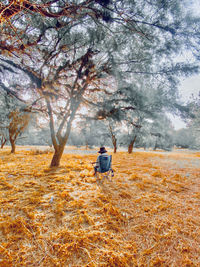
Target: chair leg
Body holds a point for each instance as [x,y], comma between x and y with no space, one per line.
[101,177]
[104,177]
[98,177]
[110,176]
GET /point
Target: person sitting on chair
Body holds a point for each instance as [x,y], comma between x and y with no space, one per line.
[102,152]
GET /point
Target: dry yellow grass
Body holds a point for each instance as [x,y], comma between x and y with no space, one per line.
[149,215]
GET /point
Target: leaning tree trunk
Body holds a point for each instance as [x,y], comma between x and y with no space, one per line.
[59,148]
[3,142]
[130,147]
[55,162]
[13,147]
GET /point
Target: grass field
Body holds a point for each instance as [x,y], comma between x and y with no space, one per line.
[149,215]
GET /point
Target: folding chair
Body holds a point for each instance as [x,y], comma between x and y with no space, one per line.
[104,170]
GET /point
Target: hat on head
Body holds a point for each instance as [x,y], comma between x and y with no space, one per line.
[102,150]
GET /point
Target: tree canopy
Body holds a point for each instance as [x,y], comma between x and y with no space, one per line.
[59,56]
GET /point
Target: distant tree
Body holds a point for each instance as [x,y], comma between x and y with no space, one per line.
[87,132]
[134,127]
[184,138]
[108,131]
[113,135]
[14,119]
[93,132]
[194,113]
[18,122]
[162,131]
[37,132]
[191,115]
[44,136]
[144,138]
[134,104]
[75,138]
[3,137]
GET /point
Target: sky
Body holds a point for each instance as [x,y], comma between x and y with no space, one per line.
[189,86]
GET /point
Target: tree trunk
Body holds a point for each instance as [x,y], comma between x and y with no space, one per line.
[114,139]
[58,140]
[86,145]
[115,145]
[12,142]
[130,147]
[3,142]
[55,162]
[156,145]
